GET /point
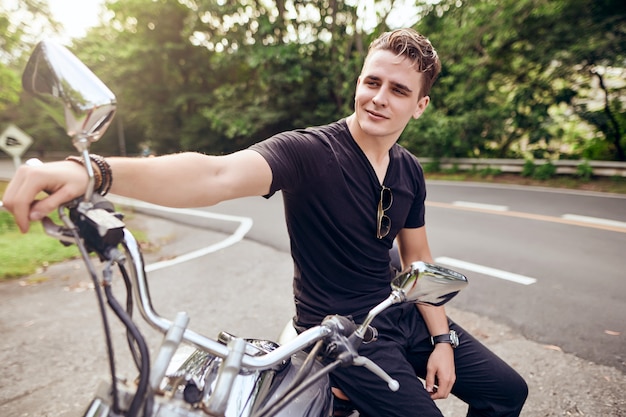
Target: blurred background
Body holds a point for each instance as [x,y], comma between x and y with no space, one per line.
[521,79]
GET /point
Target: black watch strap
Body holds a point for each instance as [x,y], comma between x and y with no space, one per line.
[452,338]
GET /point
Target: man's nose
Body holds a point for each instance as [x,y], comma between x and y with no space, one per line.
[380,98]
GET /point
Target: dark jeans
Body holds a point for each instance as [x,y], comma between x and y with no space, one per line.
[486,383]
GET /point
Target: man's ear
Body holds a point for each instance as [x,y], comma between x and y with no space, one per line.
[422,103]
[358,81]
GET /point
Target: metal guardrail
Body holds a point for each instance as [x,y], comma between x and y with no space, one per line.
[563,167]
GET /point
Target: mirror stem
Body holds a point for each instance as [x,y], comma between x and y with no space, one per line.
[394,298]
[81,143]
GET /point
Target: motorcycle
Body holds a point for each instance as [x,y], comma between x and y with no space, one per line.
[192,374]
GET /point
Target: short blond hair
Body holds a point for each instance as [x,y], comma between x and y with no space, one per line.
[414,46]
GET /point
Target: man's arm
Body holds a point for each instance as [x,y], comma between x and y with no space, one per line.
[191,179]
[413,246]
[178,180]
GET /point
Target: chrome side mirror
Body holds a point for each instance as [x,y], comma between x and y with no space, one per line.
[420,283]
[426,283]
[88,104]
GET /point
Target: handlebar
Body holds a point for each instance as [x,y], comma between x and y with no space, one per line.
[94,227]
[142,296]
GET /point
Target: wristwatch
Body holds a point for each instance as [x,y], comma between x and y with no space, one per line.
[451,338]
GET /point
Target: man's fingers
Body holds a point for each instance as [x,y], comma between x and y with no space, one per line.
[443,389]
[40,208]
[29,181]
[10,203]
[430,382]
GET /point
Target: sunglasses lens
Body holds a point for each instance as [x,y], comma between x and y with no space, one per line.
[384,222]
[386,198]
[385,226]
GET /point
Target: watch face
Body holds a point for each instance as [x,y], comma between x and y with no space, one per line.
[454,338]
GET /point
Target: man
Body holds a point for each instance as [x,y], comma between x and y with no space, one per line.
[349,192]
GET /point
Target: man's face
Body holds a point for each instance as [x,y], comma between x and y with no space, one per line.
[388,95]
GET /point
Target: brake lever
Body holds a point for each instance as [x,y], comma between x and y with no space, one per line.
[378,371]
[61,233]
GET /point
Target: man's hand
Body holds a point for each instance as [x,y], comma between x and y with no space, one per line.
[63,181]
[440,371]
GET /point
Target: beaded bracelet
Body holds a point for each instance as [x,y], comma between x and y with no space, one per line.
[105,170]
[103,175]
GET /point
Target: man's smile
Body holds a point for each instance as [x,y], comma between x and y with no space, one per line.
[375,114]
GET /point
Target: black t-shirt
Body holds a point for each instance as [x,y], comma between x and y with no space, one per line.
[331,196]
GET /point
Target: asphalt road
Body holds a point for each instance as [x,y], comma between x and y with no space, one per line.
[578,301]
[563,332]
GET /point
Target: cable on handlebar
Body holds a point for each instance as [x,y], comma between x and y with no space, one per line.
[84,226]
[132,346]
[272,409]
[129,310]
[305,368]
[103,315]
[307,365]
[144,371]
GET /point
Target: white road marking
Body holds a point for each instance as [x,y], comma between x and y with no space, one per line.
[497,273]
[245,224]
[481,206]
[594,220]
[602,224]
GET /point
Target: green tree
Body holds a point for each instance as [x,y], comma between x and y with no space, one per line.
[507,63]
[600,52]
[215,76]
[291,64]
[9,79]
[24,23]
[144,55]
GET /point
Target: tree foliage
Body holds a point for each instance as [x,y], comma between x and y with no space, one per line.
[519,78]
[508,63]
[23,23]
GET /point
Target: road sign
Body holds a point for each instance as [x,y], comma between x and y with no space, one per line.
[14,141]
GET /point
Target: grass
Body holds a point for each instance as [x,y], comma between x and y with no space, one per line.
[25,254]
[22,255]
